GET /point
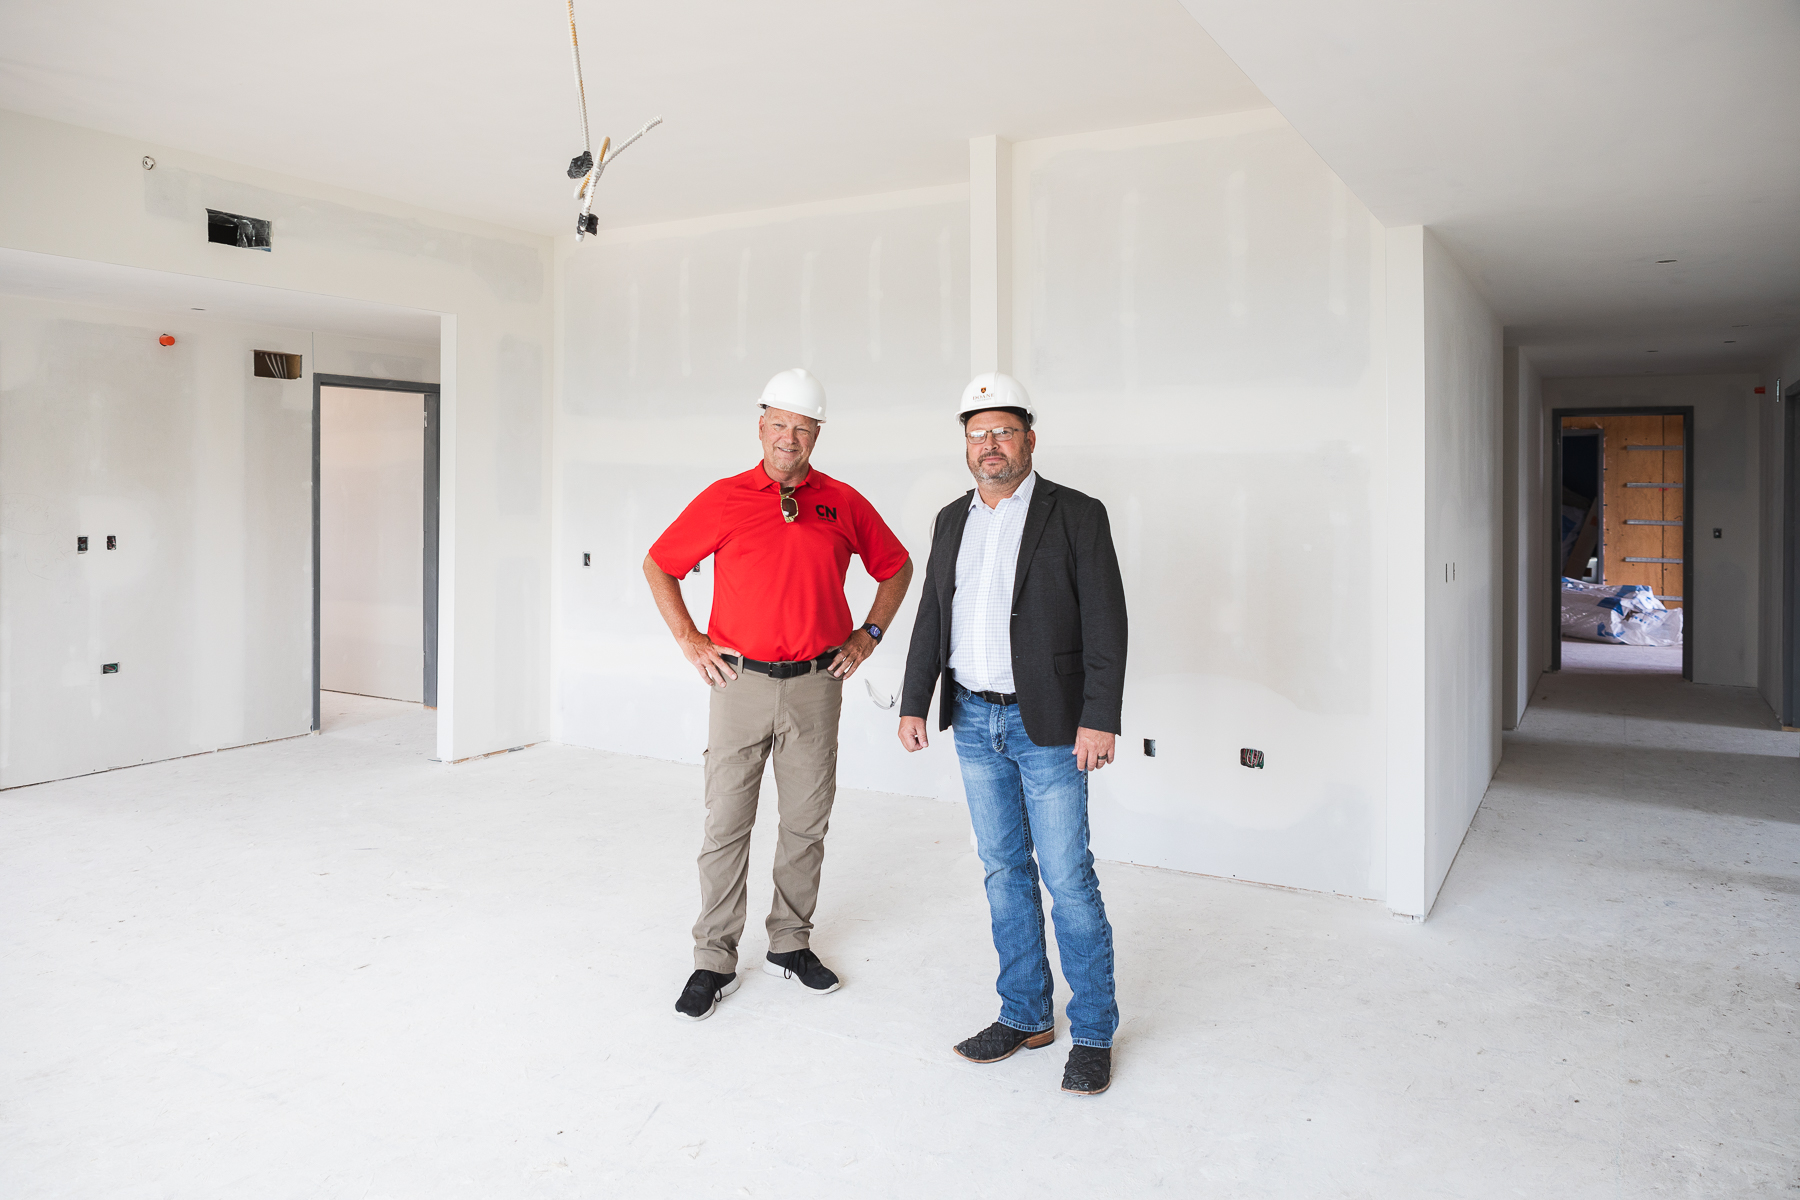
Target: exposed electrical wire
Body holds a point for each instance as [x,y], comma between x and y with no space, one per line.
[585,166]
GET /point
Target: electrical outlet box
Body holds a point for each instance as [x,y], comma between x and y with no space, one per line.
[112,542]
[1149,747]
[109,668]
[1251,758]
[81,545]
[587,560]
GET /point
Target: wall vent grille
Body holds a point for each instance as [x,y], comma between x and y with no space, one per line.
[273,364]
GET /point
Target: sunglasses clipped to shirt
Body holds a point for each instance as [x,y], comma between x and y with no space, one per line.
[790,507]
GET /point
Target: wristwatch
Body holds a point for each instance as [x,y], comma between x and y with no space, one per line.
[873,630]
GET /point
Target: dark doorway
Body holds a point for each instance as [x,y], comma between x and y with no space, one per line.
[1583,535]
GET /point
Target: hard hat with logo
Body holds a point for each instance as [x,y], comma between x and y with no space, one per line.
[992,389]
[796,391]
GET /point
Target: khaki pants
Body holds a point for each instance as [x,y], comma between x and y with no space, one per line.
[751,716]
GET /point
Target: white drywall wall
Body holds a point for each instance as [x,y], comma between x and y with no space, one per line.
[1198,314]
[1407,568]
[1464,537]
[375,358]
[204,474]
[82,194]
[668,335]
[1723,586]
[1524,579]
[371,541]
[1444,606]
[1200,311]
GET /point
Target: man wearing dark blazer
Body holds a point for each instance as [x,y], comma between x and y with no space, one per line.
[1021,631]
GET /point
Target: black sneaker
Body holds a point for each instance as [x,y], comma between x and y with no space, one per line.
[999,1041]
[1089,1071]
[703,992]
[804,965]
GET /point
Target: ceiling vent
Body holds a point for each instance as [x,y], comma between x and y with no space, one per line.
[231,229]
[273,364]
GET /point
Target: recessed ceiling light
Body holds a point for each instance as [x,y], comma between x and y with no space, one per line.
[199,310]
[1665,260]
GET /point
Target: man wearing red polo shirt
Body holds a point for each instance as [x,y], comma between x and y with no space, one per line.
[776,653]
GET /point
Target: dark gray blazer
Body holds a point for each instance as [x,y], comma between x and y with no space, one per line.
[1068,619]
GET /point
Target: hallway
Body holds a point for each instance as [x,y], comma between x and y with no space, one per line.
[330,967]
[1636,865]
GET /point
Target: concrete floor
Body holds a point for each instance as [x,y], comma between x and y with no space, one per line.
[332,968]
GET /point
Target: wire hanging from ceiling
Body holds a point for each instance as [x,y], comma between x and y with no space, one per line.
[586,166]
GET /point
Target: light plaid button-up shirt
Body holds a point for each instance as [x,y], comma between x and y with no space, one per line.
[981,612]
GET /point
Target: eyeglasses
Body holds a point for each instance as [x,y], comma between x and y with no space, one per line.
[978,436]
[790,507]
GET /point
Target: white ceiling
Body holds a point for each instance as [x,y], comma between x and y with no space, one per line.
[1560,149]
[469,107]
[81,281]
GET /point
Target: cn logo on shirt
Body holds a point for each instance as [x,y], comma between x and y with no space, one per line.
[826,512]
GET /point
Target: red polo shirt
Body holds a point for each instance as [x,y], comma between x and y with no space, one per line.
[778,588]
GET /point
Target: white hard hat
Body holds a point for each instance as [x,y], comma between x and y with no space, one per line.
[991,389]
[796,391]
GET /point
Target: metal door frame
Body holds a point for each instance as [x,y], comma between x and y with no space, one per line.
[1790,565]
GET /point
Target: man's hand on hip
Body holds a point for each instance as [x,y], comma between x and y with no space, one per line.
[707,658]
[912,734]
[857,647]
[1093,749]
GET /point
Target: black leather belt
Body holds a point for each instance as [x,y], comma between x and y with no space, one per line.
[787,670]
[1000,698]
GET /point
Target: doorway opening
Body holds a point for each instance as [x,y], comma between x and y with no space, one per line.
[375,539]
[1621,543]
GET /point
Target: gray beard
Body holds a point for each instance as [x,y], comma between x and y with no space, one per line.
[1006,473]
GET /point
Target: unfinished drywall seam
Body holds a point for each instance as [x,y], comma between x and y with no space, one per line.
[990,254]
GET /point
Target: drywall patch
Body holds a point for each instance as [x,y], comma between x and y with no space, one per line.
[512,271]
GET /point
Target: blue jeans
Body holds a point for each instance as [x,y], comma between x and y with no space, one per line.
[1025,797]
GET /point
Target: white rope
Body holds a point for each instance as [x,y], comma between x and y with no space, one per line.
[584,191]
[587,142]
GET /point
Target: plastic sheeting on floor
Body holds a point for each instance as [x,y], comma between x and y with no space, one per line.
[1624,614]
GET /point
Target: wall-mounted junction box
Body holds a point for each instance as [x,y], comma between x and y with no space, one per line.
[109,668]
[1149,747]
[112,542]
[81,545]
[1251,758]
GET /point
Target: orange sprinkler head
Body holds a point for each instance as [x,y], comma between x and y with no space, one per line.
[167,339]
